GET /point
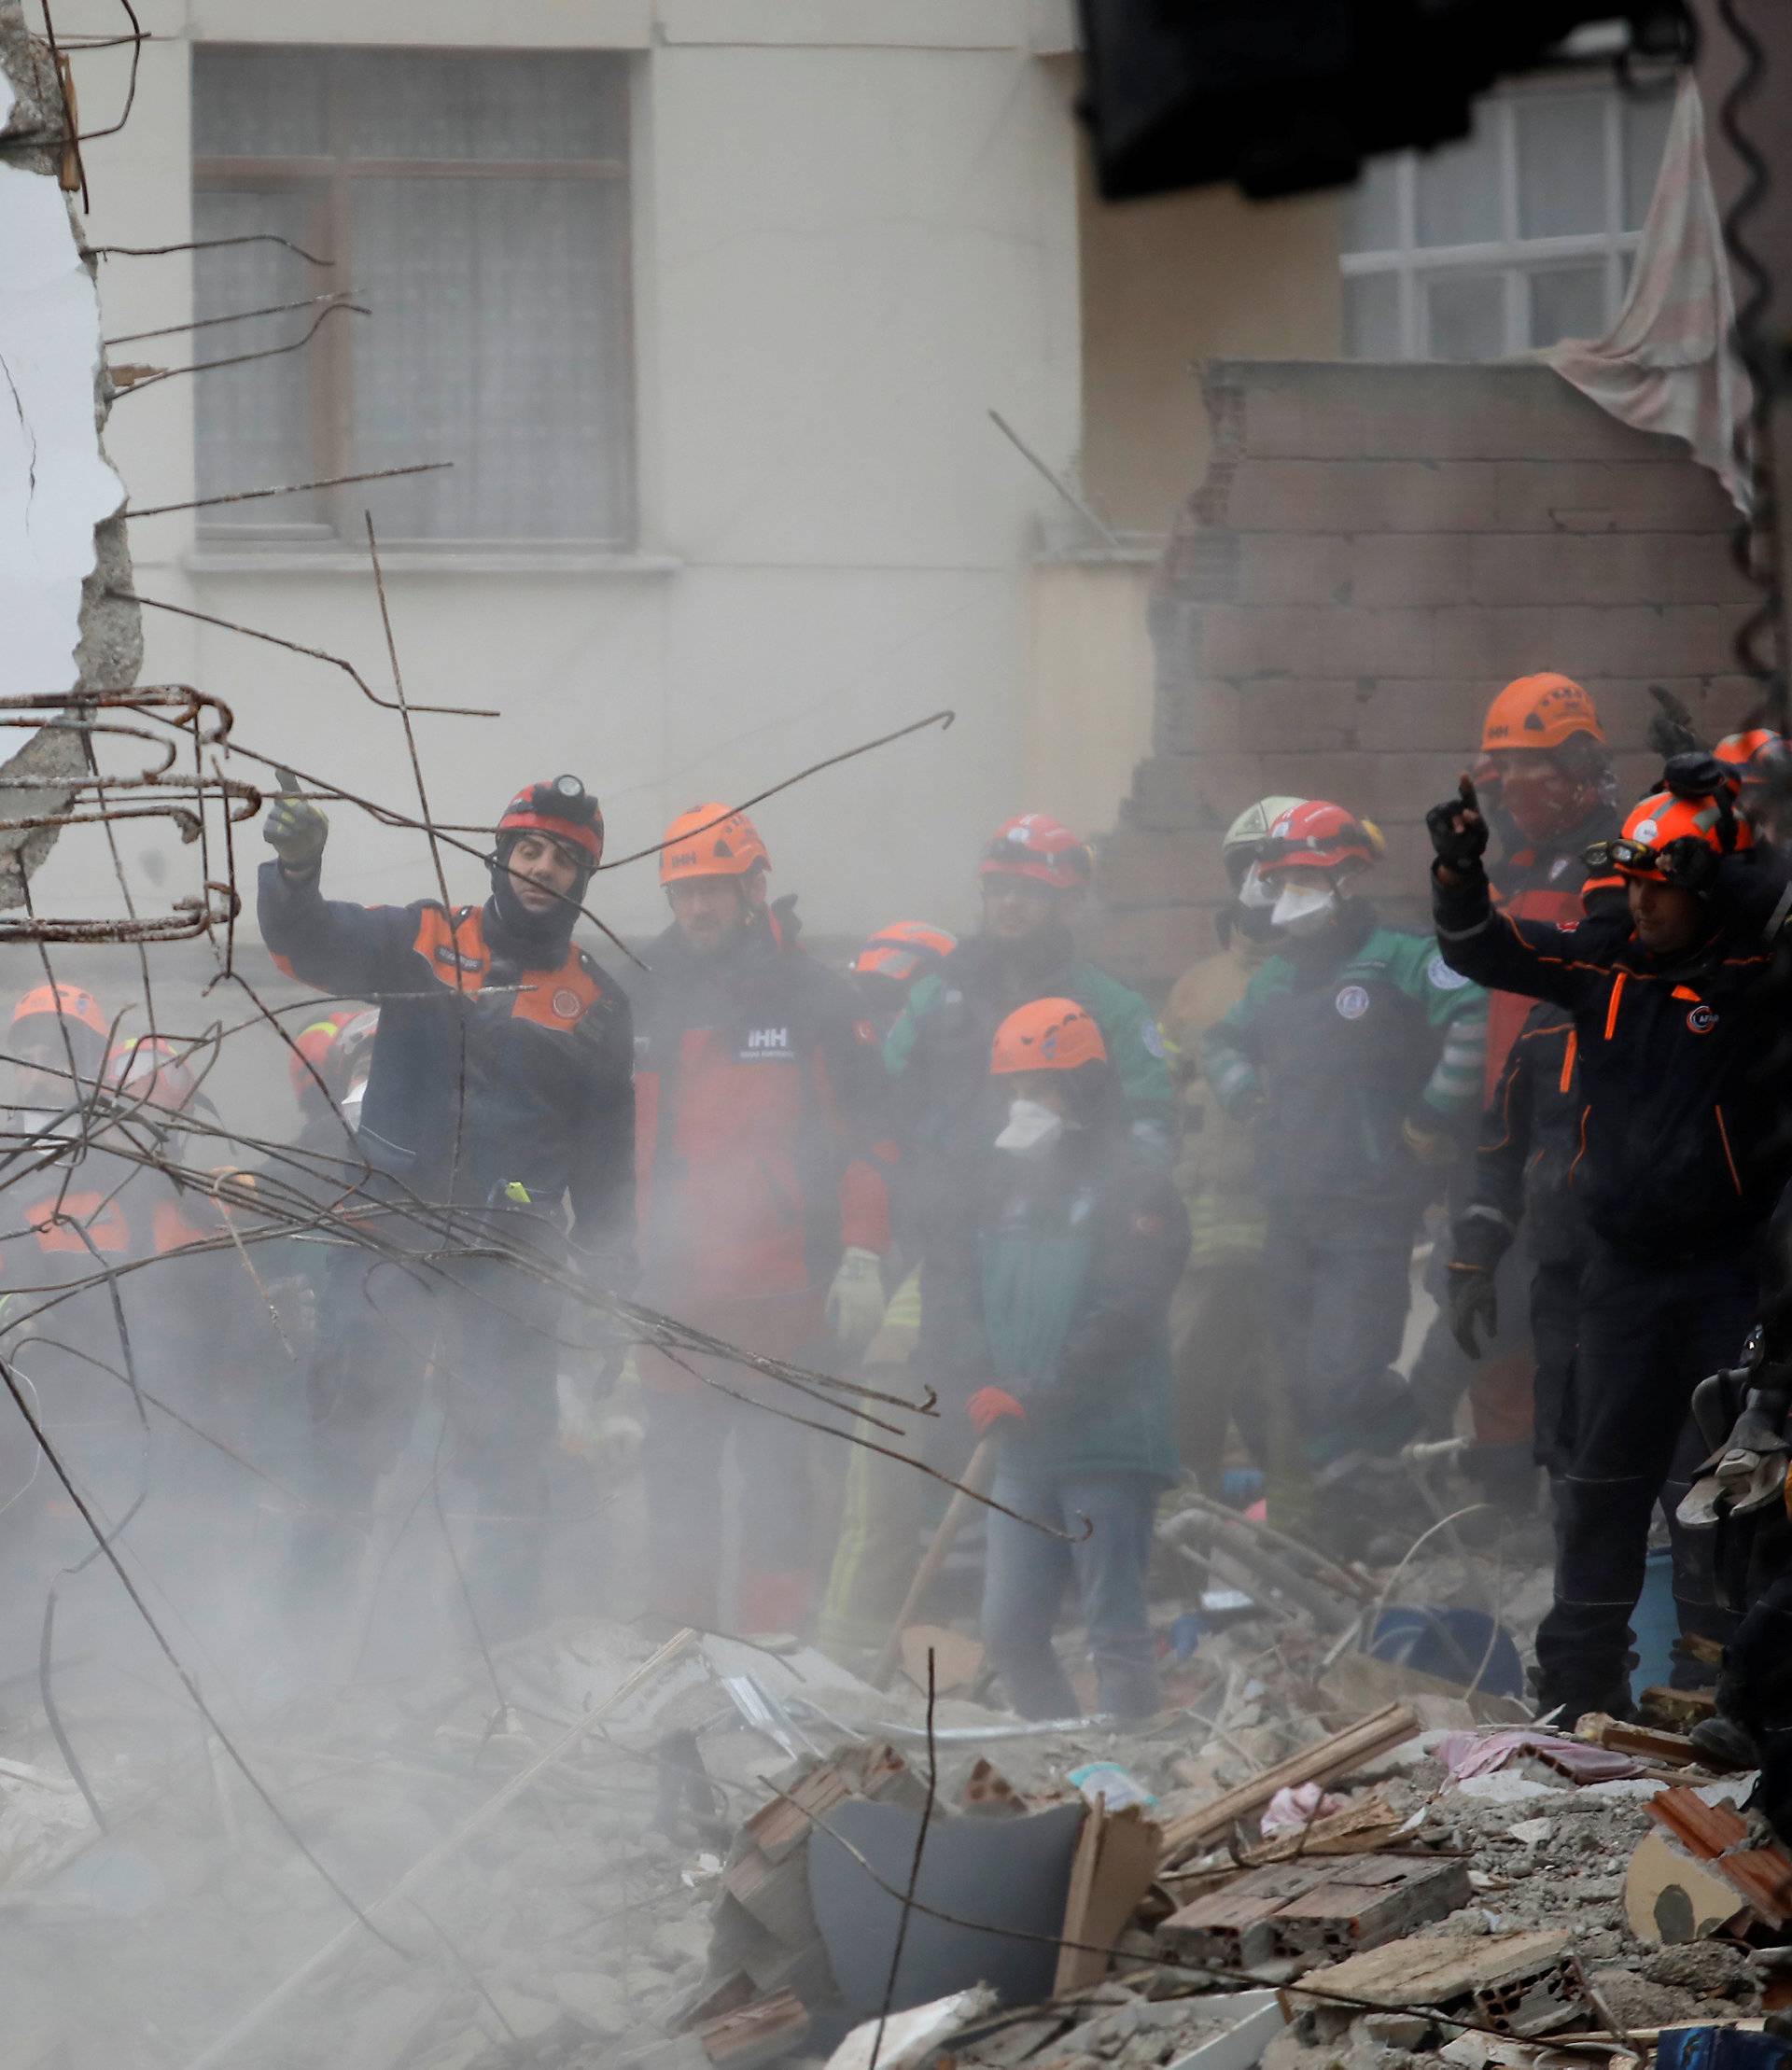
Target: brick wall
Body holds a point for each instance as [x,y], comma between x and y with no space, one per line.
[1373,553]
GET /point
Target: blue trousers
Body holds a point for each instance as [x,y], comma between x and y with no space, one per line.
[1024,1580]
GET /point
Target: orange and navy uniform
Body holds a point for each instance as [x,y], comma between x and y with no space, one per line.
[487,1071]
[1680,1138]
[759,1092]
[1546,880]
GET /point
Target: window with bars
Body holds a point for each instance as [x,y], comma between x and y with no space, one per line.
[1518,236]
[478,205]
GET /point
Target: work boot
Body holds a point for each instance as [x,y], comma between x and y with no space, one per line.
[1576,1700]
[1722,1744]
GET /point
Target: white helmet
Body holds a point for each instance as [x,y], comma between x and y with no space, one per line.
[1242,840]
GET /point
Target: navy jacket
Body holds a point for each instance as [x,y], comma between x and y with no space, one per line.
[485,1071]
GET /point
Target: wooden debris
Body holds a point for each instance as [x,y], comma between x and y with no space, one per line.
[1761,1876]
[755,2033]
[1116,1860]
[1359,1828]
[1674,1709]
[1642,1743]
[1518,1984]
[1311,1909]
[1324,1762]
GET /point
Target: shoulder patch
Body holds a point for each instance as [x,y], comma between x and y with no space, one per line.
[1440,977]
[1152,1036]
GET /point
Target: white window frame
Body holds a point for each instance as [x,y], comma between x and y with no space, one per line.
[1511,255]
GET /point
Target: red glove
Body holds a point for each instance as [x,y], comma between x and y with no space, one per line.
[989,1405]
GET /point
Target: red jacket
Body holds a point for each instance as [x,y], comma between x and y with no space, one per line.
[758,1093]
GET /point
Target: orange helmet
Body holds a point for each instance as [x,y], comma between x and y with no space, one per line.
[1317,835]
[711,841]
[1755,755]
[1662,817]
[1539,712]
[68,1002]
[903,950]
[151,1068]
[313,1046]
[1037,847]
[1047,1035]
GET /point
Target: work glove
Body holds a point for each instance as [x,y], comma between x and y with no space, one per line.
[1689,865]
[1473,1304]
[856,1301]
[1671,729]
[988,1405]
[1433,1148]
[294,829]
[1458,830]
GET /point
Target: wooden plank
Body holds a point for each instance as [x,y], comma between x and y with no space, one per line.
[755,2033]
[1324,1762]
[1115,1861]
[1647,1742]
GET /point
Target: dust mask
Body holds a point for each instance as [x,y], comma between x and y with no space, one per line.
[1031,1130]
[1305,909]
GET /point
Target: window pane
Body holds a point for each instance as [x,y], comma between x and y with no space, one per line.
[1562,163]
[251,426]
[499,341]
[1372,317]
[264,103]
[1459,187]
[1645,132]
[1372,221]
[1464,316]
[1568,302]
[507,104]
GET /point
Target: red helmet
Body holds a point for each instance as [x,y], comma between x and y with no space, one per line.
[152,1069]
[1047,1035]
[83,1023]
[1317,835]
[561,808]
[1037,846]
[711,841]
[1661,817]
[903,950]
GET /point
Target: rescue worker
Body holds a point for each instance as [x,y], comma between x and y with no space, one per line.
[1546,762]
[946,1111]
[764,1215]
[1519,1180]
[1358,1052]
[892,962]
[498,1117]
[66,1225]
[882,1502]
[1680,1162]
[1062,1303]
[1218,1322]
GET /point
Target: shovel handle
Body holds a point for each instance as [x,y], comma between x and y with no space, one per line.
[977,1476]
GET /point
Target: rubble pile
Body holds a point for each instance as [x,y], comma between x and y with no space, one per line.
[597,1853]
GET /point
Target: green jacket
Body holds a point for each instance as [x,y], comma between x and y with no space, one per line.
[1338,1048]
[1064,1301]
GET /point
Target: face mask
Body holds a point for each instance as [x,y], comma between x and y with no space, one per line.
[1031,1129]
[1305,909]
[1252,906]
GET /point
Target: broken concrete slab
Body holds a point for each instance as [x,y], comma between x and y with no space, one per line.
[1670,1895]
